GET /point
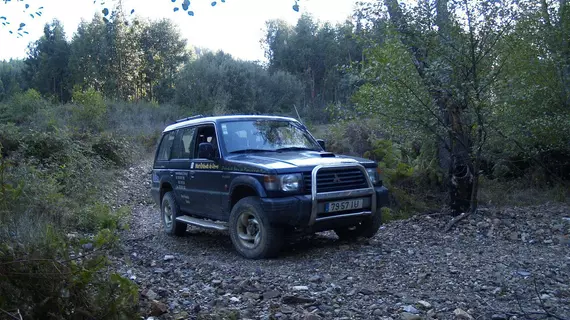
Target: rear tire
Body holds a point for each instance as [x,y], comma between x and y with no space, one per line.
[250,231]
[367,228]
[169,212]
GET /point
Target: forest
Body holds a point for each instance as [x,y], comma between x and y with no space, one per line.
[463,103]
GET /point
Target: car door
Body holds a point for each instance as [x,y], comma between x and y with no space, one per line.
[206,187]
[180,162]
[162,173]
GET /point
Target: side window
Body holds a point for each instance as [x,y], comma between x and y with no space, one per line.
[183,146]
[165,146]
[206,133]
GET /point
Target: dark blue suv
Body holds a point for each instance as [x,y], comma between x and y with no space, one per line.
[263,178]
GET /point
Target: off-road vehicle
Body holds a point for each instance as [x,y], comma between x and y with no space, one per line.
[262,178]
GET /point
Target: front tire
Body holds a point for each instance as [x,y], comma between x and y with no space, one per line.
[367,228]
[250,231]
[169,212]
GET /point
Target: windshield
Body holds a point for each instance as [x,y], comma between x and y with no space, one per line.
[265,135]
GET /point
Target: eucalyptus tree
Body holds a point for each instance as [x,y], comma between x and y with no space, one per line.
[217,83]
[319,55]
[47,63]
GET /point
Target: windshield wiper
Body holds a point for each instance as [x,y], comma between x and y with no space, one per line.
[252,151]
[295,149]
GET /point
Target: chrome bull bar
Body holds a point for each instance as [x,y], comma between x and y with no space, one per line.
[363,192]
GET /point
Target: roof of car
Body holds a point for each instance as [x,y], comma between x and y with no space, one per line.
[202,119]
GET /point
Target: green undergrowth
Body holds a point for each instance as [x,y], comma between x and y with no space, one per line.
[411,172]
[521,192]
[57,231]
[55,234]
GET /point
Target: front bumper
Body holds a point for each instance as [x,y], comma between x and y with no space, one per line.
[302,212]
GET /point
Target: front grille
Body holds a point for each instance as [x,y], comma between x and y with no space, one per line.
[337,179]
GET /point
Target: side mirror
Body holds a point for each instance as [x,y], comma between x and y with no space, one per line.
[206,151]
[322,143]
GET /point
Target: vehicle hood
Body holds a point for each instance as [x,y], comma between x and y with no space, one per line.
[293,160]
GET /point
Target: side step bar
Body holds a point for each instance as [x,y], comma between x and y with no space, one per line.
[221,226]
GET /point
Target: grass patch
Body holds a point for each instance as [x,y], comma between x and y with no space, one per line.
[520,192]
[51,185]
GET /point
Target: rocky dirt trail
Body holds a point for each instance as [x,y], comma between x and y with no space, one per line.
[501,264]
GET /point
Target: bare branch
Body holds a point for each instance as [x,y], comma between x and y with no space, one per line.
[11,315]
[455,220]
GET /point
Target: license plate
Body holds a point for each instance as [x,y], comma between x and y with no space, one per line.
[344,205]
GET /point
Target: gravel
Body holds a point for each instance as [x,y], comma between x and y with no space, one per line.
[498,264]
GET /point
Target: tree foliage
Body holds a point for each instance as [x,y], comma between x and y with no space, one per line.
[466,72]
[11,78]
[533,107]
[47,63]
[217,83]
[319,55]
[133,62]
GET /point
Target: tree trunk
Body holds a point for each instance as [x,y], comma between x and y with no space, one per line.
[477,164]
[454,154]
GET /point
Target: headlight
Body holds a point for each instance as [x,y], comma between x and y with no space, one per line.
[290,182]
[285,183]
[373,174]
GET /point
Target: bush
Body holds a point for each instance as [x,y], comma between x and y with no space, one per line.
[113,149]
[55,167]
[22,106]
[413,179]
[49,147]
[43,273]
[100,216]
[142,118]
[409,170]
[352,137]
[58,278]
[89,111]
[522,191]
[10,138]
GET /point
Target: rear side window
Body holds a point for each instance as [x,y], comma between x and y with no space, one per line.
[165,146]
[183,146]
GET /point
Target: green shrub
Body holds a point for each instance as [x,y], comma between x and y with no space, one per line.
[413,179]
[100,216]
[89,111]
[352,137]
[49,147]
[50,280]
[409,170]
[10,138]
[74,162]
[521,191]
[112,148]
[149,141]
[42,273]
[22,106]
[10,191]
